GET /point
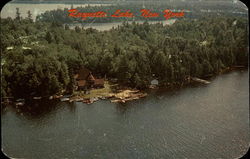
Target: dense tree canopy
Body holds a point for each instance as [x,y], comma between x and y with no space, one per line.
[40,58]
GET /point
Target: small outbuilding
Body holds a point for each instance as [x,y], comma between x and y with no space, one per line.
[154,83]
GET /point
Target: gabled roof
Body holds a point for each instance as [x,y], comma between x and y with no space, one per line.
[91,77]
[82,74]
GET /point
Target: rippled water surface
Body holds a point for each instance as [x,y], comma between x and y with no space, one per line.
[195,122]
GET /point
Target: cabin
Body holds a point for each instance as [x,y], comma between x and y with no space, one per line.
[99,83]
[85,80]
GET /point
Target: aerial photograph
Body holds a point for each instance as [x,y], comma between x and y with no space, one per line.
[124,79]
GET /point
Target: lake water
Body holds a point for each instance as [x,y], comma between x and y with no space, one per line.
[195,122]
[108,26]
[9,9]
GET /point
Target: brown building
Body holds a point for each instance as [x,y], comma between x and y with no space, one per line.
[99,83]
[85,80]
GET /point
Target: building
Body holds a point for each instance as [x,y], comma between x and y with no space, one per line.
[99,83]
[154,84]
[85,80]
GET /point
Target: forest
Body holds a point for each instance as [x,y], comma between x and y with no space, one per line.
[40,58]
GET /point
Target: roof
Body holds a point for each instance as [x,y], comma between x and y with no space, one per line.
[91,77]
[76,76]
[82,74]
[99,82]
[81,83]
[155,82]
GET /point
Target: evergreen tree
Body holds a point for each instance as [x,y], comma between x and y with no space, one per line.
[18,14]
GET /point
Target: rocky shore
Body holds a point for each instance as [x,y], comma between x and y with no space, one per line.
[121,96]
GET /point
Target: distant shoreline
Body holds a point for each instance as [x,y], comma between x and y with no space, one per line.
[61,2]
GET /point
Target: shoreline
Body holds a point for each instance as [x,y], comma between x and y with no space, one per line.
[121,94]
[128,94]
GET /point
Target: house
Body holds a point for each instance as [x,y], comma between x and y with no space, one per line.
[81,84]
[99,83]
[85,80]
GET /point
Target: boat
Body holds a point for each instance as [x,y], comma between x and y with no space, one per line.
[102,97]
[87,101]
[37,98]
[90,100]
[79,100]
[117,101]
[200,80]
[64,99]
[94,99]
[20,102]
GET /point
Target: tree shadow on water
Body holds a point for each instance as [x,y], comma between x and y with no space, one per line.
[35,109]
[122,108]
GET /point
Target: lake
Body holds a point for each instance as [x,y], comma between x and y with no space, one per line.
[108,26]
[9,9]
[210,121]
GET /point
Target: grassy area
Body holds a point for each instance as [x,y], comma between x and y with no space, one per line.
[109,90]
[103,92]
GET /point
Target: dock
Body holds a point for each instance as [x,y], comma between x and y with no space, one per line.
[199,80]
